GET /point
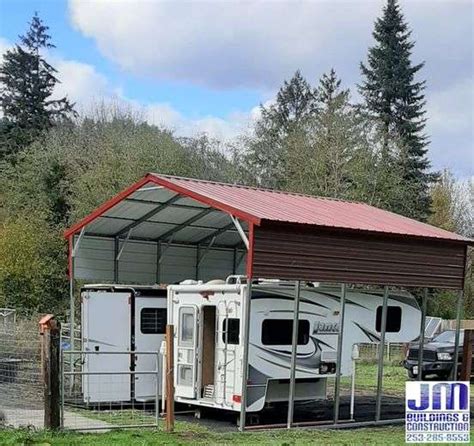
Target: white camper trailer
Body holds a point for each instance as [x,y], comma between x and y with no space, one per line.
[208,344]
[121,318]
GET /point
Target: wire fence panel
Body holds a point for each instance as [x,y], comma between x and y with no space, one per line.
[393,352]
[7,318]
[103,393]
[21,388]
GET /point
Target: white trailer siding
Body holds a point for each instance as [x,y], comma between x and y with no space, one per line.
[270,332]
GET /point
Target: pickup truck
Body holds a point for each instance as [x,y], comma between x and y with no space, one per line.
[437,355]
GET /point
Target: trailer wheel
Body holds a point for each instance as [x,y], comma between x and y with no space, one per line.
[197,414]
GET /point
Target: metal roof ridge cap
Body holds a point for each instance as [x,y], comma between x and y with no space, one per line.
[167,182]
[262,189]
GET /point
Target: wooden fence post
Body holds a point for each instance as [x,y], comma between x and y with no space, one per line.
[169,378]
[50,351]
[466,365]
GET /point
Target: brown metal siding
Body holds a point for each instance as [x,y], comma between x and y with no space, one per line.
[290,252]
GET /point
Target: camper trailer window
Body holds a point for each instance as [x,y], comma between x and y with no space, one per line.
[153,320]
[394,319]
[232,326]
[280,332]
[187,327]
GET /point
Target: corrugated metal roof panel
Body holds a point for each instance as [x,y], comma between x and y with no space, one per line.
[276,206]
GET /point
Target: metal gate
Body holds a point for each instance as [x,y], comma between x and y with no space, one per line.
[98,391]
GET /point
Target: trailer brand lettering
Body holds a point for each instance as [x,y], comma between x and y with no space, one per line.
[326,328]
[437,412]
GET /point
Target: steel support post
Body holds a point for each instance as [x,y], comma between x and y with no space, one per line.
[422,334]
[378,404]
[454,373]
[337,386]
[294,348]
[245,358]
[72,319]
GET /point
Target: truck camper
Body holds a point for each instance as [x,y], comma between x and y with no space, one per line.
[209,344]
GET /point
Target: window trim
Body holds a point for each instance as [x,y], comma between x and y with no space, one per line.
[162,310]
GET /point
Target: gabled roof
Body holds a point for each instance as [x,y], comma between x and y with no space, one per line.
[257,206]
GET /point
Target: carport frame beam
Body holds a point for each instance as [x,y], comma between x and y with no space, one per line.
[123,245]
[294,348]
[383,328]
[422,334]
[74,247]
[460,299]
[246,329]
[148,215]
[337,386]
[241,231]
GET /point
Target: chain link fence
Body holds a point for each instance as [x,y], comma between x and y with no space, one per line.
[21,389]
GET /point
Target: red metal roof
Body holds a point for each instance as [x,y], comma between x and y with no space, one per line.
[271,205]
[256,205]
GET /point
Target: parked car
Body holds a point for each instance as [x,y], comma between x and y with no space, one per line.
[437,355]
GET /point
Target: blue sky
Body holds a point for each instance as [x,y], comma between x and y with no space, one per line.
[206,66]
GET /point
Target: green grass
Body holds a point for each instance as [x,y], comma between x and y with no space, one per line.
[118,417]
[189,435]
[394,378]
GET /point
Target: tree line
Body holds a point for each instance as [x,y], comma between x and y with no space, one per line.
[56,165]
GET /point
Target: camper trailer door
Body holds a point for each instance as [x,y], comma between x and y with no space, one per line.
[186,360]
[150,325]
[106,328]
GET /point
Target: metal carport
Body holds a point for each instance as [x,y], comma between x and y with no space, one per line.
[164,229]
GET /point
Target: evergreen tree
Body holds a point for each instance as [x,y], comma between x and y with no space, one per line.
[328,156]
[328,91]
[295,104]
[396,99]
[27,82]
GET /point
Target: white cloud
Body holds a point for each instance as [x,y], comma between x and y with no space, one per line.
[450,126]
[258,43]
[451,110]
[225,44]
[86,87]
[163,114]
[80,82]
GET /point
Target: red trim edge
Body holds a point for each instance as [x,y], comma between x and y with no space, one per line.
[151,178]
